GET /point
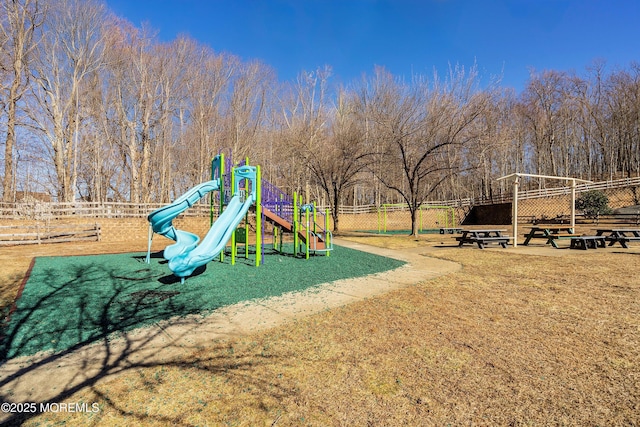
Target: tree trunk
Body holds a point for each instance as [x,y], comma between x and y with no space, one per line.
[7,182]
[21,19]
[335,203]
[414,223]
[134,185]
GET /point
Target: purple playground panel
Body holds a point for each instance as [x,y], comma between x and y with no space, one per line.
[276,200]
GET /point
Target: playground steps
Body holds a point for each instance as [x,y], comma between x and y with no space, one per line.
[315,242]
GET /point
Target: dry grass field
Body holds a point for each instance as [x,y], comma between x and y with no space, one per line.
[514,338]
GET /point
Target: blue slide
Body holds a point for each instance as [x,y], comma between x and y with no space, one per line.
[161,219]
[216,239]
[186,255]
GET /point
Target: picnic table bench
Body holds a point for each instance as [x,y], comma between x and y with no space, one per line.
[450,230]
[483,237]
[619,235]
[586,242]
[551,233]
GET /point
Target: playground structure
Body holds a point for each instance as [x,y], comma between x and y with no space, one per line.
[240,189]
[430,217]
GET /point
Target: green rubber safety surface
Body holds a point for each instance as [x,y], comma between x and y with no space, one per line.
[69,302]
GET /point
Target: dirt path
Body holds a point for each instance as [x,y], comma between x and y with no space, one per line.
[39,378]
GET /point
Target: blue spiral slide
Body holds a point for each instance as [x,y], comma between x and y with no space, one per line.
[185,255]
[216,239]
[161,219]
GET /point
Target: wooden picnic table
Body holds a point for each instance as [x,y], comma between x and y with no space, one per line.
[620,235]
[551,233]
[483,237]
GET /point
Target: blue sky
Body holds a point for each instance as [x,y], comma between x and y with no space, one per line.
[503,37]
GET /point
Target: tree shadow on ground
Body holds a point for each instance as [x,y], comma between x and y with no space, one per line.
[89,338]
[173,279]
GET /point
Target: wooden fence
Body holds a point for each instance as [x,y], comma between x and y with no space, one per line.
[48,233]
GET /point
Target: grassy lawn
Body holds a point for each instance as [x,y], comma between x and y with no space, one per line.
[511,339]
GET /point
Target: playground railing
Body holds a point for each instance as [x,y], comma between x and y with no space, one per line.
[276,200]
[321,220]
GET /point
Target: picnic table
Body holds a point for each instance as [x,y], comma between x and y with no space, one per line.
[551,233]
[483,237]
[620,235]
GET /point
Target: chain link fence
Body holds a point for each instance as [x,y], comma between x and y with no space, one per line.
[623,202]
[540,207]
[396,218]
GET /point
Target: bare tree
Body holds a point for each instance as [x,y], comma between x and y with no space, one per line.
[70,51]
[305,113]
[99,168]
[18,23]
[418,123]
[201,115]
[133,97]
[123,116]
[590,94]
[171,70]
[246,107]
[624,119]
[340,155]
[546,112]
[495,151]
